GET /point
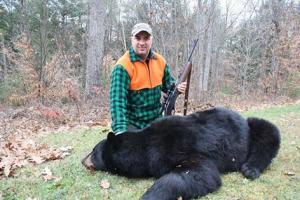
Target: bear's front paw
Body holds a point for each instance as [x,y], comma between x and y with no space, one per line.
[250,172]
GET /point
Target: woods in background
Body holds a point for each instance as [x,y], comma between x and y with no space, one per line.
[62,50]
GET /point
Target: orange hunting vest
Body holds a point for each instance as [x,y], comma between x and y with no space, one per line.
[141,75]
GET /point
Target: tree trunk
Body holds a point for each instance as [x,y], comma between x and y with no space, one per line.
[95,45]
[3,72]
[25,26]
[175,37]
[208,59]
[123,36]
[43,39]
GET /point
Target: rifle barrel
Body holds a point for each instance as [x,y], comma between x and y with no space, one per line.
[195,44]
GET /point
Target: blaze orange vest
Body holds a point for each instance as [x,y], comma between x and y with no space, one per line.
[142,75]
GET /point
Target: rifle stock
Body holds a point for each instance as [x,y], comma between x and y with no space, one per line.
[186,95]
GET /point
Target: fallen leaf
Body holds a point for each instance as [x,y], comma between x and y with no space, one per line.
[48,178]
[64,154]
[47,171]
[289,173]
[47,175]
[68,148]
[20,163]
[28,143]
[7,170]
[6,165]
[36,159]
[104,184]
[91,123]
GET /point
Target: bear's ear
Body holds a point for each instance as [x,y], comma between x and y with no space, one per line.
[111,136]
[114,140]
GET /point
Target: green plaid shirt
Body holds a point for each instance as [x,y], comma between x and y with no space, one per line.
[137,108]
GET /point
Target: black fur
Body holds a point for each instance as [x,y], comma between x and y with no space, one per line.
[188,153]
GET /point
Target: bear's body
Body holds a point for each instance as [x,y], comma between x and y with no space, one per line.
[188,153]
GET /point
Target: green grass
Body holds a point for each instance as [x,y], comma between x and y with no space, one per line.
[78,183]
[275,112]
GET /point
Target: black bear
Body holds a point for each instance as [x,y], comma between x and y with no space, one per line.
[188,153]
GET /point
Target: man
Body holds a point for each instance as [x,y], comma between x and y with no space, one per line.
[136,83]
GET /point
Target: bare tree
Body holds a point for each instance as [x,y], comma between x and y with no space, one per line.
[3,71]
[24,22]
[253,50]
[206,17]
[96,33]
[43,37]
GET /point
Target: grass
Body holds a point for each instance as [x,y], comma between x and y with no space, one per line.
[280,181]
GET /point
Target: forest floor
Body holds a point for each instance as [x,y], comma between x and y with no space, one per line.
[41,149]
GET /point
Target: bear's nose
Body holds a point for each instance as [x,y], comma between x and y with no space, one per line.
[87,162]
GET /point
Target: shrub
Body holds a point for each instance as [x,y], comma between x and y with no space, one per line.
[293,86]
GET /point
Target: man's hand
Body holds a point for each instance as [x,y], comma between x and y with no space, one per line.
[181,87]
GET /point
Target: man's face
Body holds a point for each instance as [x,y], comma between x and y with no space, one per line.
[141,44]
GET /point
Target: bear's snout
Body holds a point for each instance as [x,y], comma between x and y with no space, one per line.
[87,162]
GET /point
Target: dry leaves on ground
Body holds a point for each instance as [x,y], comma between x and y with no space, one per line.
[19,150]
[20,127]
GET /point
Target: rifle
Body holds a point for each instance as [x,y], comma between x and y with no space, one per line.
[172,94]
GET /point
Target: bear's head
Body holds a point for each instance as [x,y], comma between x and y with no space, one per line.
[122,154]
[105,154]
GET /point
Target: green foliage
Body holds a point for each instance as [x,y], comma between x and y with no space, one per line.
[280,181]
[7,21]
[3,22]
